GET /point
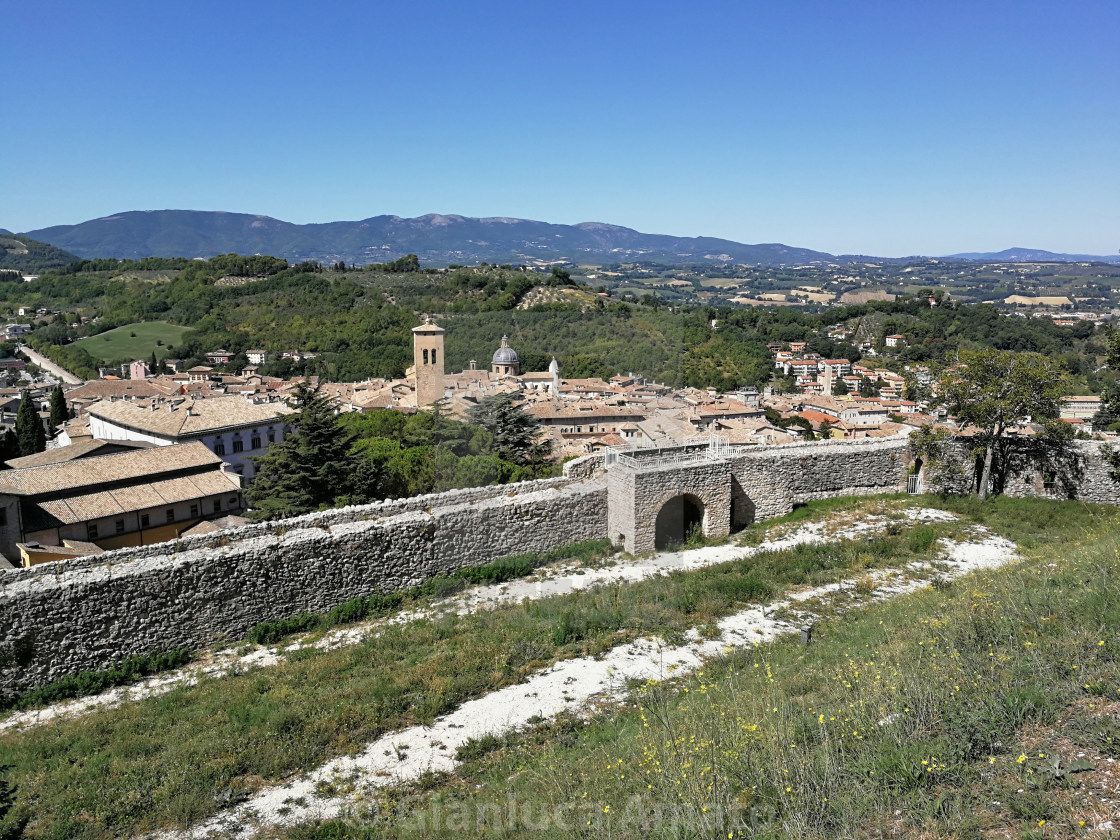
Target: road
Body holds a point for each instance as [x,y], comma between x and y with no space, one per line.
[49,366]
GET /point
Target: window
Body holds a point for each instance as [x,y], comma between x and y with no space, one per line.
[194,510]
[144,520]
[271,437]
[233,501]
[217,506]
[3,516]
[171,514]
[433,356]
[220,448]
[91,530]
[425,357]
[119,526]
[238,446]
[255,443]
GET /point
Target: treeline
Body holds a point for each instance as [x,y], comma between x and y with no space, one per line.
[327,460]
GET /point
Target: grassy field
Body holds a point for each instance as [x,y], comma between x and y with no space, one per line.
[982,708]
[896,708]
[133,341]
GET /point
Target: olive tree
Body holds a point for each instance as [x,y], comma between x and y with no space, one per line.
[993,390]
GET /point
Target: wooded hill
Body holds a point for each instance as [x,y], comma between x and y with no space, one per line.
[358,322]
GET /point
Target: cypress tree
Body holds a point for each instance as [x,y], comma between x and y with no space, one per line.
[60,413]
[29,428]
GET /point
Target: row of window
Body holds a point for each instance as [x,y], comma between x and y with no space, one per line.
[146,521]
[433,357]
[239,445]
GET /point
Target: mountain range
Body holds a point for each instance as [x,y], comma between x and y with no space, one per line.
[1031,255]
[435,239]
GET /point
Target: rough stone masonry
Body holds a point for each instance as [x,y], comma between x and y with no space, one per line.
[90,613]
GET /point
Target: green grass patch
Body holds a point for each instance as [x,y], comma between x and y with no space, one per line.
[133,341]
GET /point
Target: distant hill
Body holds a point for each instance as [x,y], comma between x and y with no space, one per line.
[437,240]
[434,238]
[1032,255]
[28,255]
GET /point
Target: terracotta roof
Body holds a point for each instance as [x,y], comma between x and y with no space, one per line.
[130,499]
[103,389]
[91,472]
[191,417]
[817,417]
[86,447]
[549,410]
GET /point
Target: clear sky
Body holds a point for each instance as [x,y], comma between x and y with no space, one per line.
[891,128]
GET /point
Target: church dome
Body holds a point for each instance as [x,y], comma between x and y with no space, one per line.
[505,355]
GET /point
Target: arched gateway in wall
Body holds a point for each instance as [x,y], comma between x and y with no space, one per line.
[679,519]
[657,502]
[656,496]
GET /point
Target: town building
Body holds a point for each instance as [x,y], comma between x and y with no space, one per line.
[111,501]
[1079,408]
[505,361]
[233,428]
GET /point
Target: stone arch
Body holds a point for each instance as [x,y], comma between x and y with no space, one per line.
[678,518]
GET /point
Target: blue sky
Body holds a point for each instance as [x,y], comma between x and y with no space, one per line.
[886,128]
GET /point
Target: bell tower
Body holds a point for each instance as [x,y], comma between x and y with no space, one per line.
[427,359]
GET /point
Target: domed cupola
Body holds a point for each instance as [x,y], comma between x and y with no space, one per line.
[505,361]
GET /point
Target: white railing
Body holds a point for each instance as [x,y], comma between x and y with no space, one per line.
[655,455]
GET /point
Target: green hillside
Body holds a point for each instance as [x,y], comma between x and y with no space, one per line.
[20,253]
[134,341]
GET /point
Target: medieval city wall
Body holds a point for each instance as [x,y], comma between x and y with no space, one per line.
[92,612]
[71,616]
[772,479]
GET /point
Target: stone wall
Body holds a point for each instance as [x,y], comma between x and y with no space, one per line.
[771,480]
[637,497]
[89,613]
[61,618]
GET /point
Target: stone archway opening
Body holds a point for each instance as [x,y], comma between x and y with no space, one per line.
[678,519]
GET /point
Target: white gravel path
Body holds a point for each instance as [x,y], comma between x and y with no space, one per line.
[568,685]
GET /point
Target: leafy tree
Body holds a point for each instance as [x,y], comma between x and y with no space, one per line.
[867,388]
[29,428]
[311,467]
[993,390]
[515,431]
[60,412]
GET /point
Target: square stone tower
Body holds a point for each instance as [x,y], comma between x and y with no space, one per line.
[427,357]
